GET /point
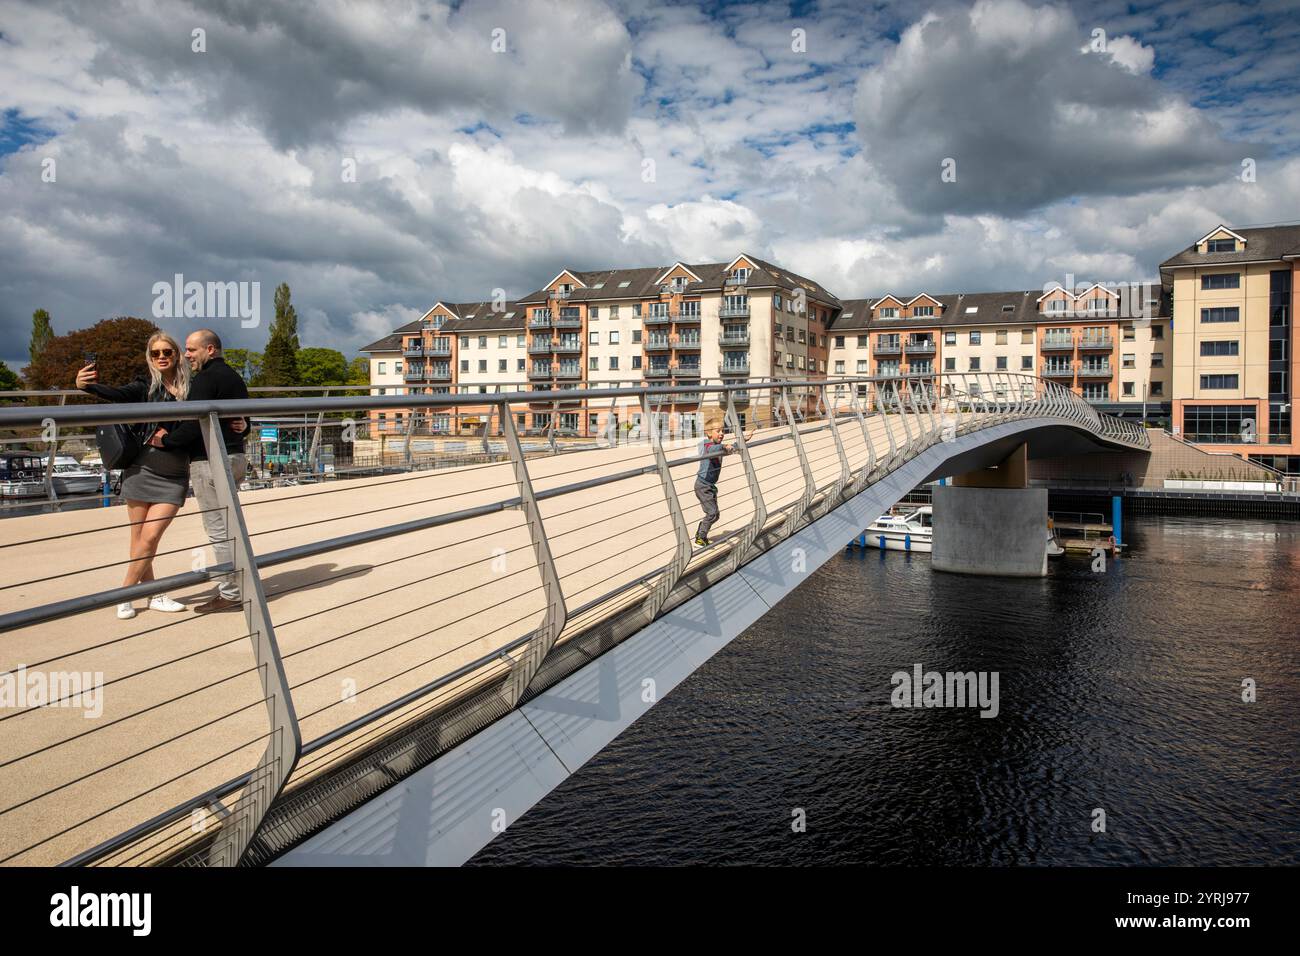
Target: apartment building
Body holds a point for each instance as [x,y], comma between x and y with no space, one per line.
[1235,296]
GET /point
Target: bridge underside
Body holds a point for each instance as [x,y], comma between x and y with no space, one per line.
[443,814]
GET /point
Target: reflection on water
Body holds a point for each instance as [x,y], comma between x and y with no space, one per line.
[1119,691]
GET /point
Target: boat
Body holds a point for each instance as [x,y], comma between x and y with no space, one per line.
[22,474]
[75,478]
[910,531]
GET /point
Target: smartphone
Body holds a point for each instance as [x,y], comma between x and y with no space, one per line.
[90,357]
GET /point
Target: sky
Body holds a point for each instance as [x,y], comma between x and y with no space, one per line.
[382,155]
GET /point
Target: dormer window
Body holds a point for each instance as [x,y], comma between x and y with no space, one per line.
[1057,305]
[922,310]
[741,275]
[1221,245]
[889,312]
[679,283]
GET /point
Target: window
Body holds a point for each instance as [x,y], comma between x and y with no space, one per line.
[776,303]
[1218,381]
[482,341]
[862,367]
[482,365]
[839,367]
[1157,388]
[1130,333]
[1127,388]
[1002,337]
[923,310]
[503,341]
[1026,363]
[950,364]
[593,338]
[1277,383]
[613,312]
[1157,331]
[519,365]
[1157,359]
[519,341]
[1221,245]
[950,338]
[464,341]
[862,341]
[592,311]
[613,336]
[1277,350]
[502,365]
[972,309]
[464,365]
[593,364]
[636,308]
[1220,347]
[1221,280]
[889,312]
[613,363]
[975,337]
[1216,424]
[975,364]
[383,368]
[1026,336]
[801,338]
[839,341]
[1001,361]
[636,361]
[1128,360]
[1226,314]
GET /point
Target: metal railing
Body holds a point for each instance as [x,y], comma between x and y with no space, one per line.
[228,740]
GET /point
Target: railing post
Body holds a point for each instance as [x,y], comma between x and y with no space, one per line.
[751,532]
[406,440]
[556,614]
[315,443]
[837,490]
[869,469]
[810,486]
[682,557]
[897,400]
[284,742]
[894,453]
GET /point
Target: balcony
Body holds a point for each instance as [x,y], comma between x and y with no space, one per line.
[568,346]
[439,350]
[686,318]
[888,348]
[541,370]
[1058,371]
[686,398]
[539,322]
[731,338]
[657,371]
[736,280]
[1096,371]
[921,347]
[561,293]
[687,369]
[735,366]
[569,371]
[1096,342]
[540,347]
[657,318]
[413,351]
[568,322]
[440,373]
[658,343]
[413,373]
[734,311]
[1058,343]
[688,343]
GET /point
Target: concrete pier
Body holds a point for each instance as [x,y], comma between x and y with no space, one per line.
[987,522]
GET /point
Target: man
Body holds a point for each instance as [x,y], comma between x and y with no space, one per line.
[213,379]
[706,481]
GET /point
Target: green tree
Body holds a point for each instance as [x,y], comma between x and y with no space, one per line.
[246,362]
[322,367]
[280,360]
[118,344]
[9,382]
[359,371]
[42,334]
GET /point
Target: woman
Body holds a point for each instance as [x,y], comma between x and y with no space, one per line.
[154,485]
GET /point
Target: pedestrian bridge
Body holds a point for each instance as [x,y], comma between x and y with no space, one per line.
[422,656]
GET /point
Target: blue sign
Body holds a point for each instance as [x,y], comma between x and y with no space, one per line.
[270,434]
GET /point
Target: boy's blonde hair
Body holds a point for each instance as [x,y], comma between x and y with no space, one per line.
[712,424]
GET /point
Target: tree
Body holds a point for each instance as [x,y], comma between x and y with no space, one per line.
[322,367]
[42,334]
[119,346]
[359,371]
[245,361]
[9,382]
[280,360]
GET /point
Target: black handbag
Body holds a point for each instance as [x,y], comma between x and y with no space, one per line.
[119,445]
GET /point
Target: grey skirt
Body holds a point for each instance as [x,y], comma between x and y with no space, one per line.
[157,477]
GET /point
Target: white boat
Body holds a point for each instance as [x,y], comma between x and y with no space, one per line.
[912,531]
[73,478]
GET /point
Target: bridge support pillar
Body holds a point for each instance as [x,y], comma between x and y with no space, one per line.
[987,522]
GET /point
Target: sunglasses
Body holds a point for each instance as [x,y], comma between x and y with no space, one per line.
[162,353]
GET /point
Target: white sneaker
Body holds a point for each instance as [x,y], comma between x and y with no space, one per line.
[161,602]
[125,611]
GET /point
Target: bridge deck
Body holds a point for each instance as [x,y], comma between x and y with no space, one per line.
[182,702]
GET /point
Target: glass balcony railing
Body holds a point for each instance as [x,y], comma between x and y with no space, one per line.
[568,321]
[657,371]
[566,346]
[540,347]
[658,343]
[1057,343]
[686,318]
[1058,371]
[921,347]
[734,311]
[688,343]
[541,370]
[539,322]
[440,349]
[1096,342]
[888,348]
[737,338]
[440,373]
[569,371]
[1095,371]
[657,318]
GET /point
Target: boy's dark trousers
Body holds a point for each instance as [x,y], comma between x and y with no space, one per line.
[707,492]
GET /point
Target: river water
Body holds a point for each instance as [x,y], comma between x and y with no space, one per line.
[1119,691]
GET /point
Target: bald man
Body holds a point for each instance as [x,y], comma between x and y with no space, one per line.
[213,379]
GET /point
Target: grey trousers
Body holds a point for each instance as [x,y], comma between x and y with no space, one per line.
[708,495]
[214,516]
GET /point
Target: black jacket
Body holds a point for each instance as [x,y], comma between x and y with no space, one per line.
[216,380]
[137,391]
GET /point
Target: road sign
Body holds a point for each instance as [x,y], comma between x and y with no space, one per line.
[270,434]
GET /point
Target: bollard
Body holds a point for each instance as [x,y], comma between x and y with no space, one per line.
[1116,518]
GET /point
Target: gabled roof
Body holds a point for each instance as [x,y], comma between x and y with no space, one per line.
[674,266]
[888,295]
[1097,285]
[1263,244]
[1219,228]
[923,295]
[565,272]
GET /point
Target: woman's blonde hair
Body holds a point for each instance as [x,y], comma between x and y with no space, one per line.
[182,381]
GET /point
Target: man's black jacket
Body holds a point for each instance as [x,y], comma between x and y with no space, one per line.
[215,380]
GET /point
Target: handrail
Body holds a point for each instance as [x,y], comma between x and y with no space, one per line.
[809,435]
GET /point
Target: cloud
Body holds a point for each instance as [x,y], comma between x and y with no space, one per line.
[1003,90]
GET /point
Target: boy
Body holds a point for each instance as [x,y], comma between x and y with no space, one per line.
[706,482]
